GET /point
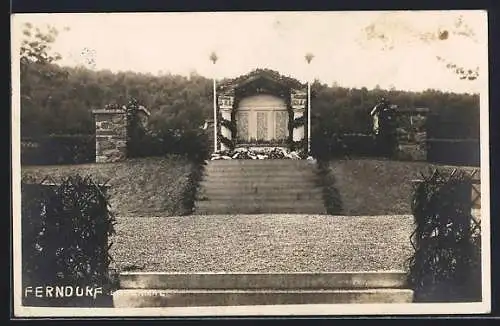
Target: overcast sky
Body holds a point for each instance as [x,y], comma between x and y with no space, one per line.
[345,53]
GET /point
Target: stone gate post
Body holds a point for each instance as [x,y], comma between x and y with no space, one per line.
[111,134]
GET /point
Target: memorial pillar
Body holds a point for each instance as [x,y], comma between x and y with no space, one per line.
[298,102]
[225,103]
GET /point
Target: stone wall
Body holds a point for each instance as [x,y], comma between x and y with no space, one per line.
[111,135]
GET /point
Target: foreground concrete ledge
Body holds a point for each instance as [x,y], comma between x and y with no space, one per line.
[286,281]
[188,298]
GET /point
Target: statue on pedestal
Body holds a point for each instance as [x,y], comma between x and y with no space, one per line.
[384,126]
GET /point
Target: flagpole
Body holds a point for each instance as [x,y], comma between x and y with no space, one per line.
[213,58]
[309,57]
[215,116]
[308,117]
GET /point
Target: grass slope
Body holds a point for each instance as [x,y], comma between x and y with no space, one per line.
[139,187]
[378,187]
[262,243]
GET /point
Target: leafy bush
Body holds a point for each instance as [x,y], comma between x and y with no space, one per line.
[446,265]
[65,237]
[58,149]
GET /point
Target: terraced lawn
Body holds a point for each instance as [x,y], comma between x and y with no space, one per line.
[378,187]
[139,187]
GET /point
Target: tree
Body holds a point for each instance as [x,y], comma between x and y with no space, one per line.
[41,80]
[36,45]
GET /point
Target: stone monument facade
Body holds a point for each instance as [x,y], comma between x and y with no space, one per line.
[261,109]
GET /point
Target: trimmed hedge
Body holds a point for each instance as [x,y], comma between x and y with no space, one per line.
[453,126]
[446,265]
[58,149]
[193,144]
[325,147]
[454,151]
[65,231]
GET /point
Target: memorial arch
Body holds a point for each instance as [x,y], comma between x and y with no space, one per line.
[262,108]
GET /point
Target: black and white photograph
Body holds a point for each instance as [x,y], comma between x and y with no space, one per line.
[250,163]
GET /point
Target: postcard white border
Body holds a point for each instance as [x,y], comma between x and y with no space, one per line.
[283,310]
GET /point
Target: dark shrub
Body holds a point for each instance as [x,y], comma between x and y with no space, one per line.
[163,137]
[191,190]
[446,265]
[58,149]
[331,195]
[462,124]
[454,151]
[359,145]
[326,146]
[193,144]
[65,231]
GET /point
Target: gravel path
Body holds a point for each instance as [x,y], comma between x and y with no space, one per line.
[262,243]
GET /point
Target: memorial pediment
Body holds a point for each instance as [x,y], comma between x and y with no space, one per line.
[264,77]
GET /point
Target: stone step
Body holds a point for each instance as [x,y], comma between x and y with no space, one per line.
[258,172]
[268,190]
[261,163]
[254,280]
[139,289]
[260,197]
[260,184]
[133,298]
[242,207]
[194,298]
[260,178]
[261,203]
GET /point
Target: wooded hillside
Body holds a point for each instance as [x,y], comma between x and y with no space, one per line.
[59,100]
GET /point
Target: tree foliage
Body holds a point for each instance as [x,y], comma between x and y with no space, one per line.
[36,45]
[339,110]
[63,103]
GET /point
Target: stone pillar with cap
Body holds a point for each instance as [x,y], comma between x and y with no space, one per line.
[111,134]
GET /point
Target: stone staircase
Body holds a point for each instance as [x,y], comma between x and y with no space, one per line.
[234,289]
[260,186]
